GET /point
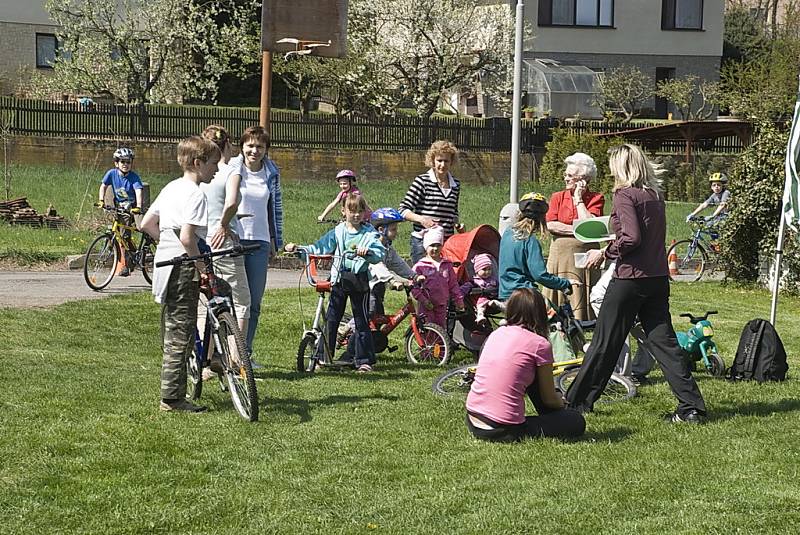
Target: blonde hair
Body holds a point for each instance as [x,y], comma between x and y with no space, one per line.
[631,169]
[354,203]
[217,134]
[442,146]
[197,148]
[526,226]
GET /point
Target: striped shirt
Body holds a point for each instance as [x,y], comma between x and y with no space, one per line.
[425,198]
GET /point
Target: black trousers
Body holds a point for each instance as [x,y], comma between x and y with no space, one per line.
[625,299]
[359,301]
[555,423]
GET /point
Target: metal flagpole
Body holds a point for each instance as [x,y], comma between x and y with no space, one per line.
[790,203]
[773,310]
[516,115]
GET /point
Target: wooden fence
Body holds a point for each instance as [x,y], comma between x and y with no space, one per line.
[153,122]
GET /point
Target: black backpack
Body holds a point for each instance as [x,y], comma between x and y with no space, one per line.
[760,355]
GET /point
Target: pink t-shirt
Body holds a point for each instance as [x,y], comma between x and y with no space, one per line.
[506,368]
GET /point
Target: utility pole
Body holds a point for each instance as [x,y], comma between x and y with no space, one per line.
[266,90]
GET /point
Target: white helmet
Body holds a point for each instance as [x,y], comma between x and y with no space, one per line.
[123,153]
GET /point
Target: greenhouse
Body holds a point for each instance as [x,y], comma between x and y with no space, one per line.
[561,90]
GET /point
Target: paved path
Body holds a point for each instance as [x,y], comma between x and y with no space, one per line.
[25,289]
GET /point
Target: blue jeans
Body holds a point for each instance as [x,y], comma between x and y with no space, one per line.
[255,265]
[417,250]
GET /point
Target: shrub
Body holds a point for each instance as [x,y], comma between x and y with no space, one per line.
[756,183]
[565,143]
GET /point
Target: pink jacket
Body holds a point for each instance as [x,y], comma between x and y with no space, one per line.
[440,283]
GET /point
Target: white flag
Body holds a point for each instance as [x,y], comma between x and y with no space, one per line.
[791,190]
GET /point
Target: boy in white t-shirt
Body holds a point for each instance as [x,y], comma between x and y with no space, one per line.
[177,219]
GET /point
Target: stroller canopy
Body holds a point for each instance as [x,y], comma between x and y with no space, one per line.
[460,248]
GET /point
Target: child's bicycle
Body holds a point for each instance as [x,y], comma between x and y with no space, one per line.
[115,250]
[689,258]
[221,340]
[424,342]
[619,388]
[698,345]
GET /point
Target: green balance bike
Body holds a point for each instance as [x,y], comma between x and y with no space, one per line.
[698,345]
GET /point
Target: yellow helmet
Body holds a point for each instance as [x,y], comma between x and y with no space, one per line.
[533,205]
[718,177]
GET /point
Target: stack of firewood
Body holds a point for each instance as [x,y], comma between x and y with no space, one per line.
[19,212]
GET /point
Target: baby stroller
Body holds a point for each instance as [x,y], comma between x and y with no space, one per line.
[460,249]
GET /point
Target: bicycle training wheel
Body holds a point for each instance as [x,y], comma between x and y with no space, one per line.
[306,361]
[619,387]
[455,382]
[100,263]
[691,261]
[717,368]
[147,253]
[238,368]
[435,346]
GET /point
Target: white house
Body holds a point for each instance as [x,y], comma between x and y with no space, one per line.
[27,39]
[663,38]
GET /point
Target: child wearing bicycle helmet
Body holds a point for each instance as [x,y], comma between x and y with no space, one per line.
[720,195]
[347,184]
[393,269]
[521,262]
[125,183]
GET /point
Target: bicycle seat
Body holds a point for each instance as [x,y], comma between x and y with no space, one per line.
[586,325]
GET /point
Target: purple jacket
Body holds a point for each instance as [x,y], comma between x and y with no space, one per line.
[640,223]
[440,283]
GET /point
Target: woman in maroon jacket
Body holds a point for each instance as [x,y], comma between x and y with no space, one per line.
[640,287]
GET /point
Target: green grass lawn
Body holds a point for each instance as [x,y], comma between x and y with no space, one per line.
[72,192]
[83,448]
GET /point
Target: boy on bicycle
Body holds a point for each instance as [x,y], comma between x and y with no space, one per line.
[127,188]
[178,219]
[125,183]
[720,195]
[393,269]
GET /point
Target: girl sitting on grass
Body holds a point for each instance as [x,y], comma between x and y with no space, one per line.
[517,360]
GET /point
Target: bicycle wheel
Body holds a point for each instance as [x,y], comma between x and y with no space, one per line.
[147,252]
[455,382]
[306,361]
[691,261]
[619,387]
[100,263]
[717,368]
[435,347]
[194,374]
[238,368]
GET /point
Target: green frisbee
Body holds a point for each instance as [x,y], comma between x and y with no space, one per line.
[592,230]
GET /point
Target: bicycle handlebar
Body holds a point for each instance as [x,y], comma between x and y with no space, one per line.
[236,250]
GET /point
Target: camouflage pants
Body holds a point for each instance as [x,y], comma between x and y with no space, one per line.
[178,323]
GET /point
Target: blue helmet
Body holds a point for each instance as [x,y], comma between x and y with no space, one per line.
[384,216]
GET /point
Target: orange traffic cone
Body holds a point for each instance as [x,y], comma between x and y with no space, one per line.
[672,259]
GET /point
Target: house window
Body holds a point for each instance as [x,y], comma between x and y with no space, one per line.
[591,13]
[46,47]
[682,14]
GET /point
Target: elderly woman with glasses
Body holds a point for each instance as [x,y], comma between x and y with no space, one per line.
[575,201]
